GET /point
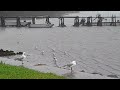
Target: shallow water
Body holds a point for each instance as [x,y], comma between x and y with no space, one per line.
[96,49]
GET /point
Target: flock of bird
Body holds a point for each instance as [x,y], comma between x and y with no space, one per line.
[70,65]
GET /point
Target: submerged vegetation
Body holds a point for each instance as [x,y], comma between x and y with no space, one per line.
[20,72]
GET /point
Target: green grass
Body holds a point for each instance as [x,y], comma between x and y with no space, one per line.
[19,72]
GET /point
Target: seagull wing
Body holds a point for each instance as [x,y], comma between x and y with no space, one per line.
[68,65]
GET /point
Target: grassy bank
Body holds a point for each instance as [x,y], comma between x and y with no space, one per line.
[19,72]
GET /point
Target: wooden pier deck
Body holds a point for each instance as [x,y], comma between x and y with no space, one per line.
[89,21]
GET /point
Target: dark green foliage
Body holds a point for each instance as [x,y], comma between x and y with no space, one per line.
[8,53]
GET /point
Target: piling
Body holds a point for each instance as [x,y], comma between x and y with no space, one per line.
[99,22]
[33,20]
[82,22]
[89,21]
[18,22]
[113,21]
[61,22]
[47,20]
[2,22]
[76,22]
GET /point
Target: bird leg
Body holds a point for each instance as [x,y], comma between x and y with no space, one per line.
[71,70]
[22,63]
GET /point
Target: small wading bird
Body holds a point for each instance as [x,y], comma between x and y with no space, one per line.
[55,60]
[73,63]
[21,58]
[42,52]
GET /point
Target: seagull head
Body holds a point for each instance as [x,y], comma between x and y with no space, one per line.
[23,53]
[74,63]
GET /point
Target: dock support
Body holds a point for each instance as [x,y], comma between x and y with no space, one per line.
[113,21]
[82,22]
[89,21]
[2,22]
[61,22]
[99,23]
[76,22]
[47,20]
[18,22]
[33,20]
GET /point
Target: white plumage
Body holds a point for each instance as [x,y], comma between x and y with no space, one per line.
[73,63]
[21,58]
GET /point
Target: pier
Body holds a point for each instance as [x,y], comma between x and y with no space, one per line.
[78,21]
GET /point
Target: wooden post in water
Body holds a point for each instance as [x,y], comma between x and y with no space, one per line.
[91,21]
[76,22]
[115,20]
[112,21]
[99,23]
[61,22]
[2,21]
[47,20]
[18,22]
[88,21]
[33,20]
[82,22]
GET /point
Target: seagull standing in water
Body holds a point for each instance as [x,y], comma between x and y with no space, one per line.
[73,63]
[21,58]
[55,59]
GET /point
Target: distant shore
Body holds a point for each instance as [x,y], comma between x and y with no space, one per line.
[35,13]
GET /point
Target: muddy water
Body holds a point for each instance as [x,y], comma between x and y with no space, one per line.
[96,49]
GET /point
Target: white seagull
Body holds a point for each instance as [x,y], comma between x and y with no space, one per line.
[73,63]
[21,58]
[55,61]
